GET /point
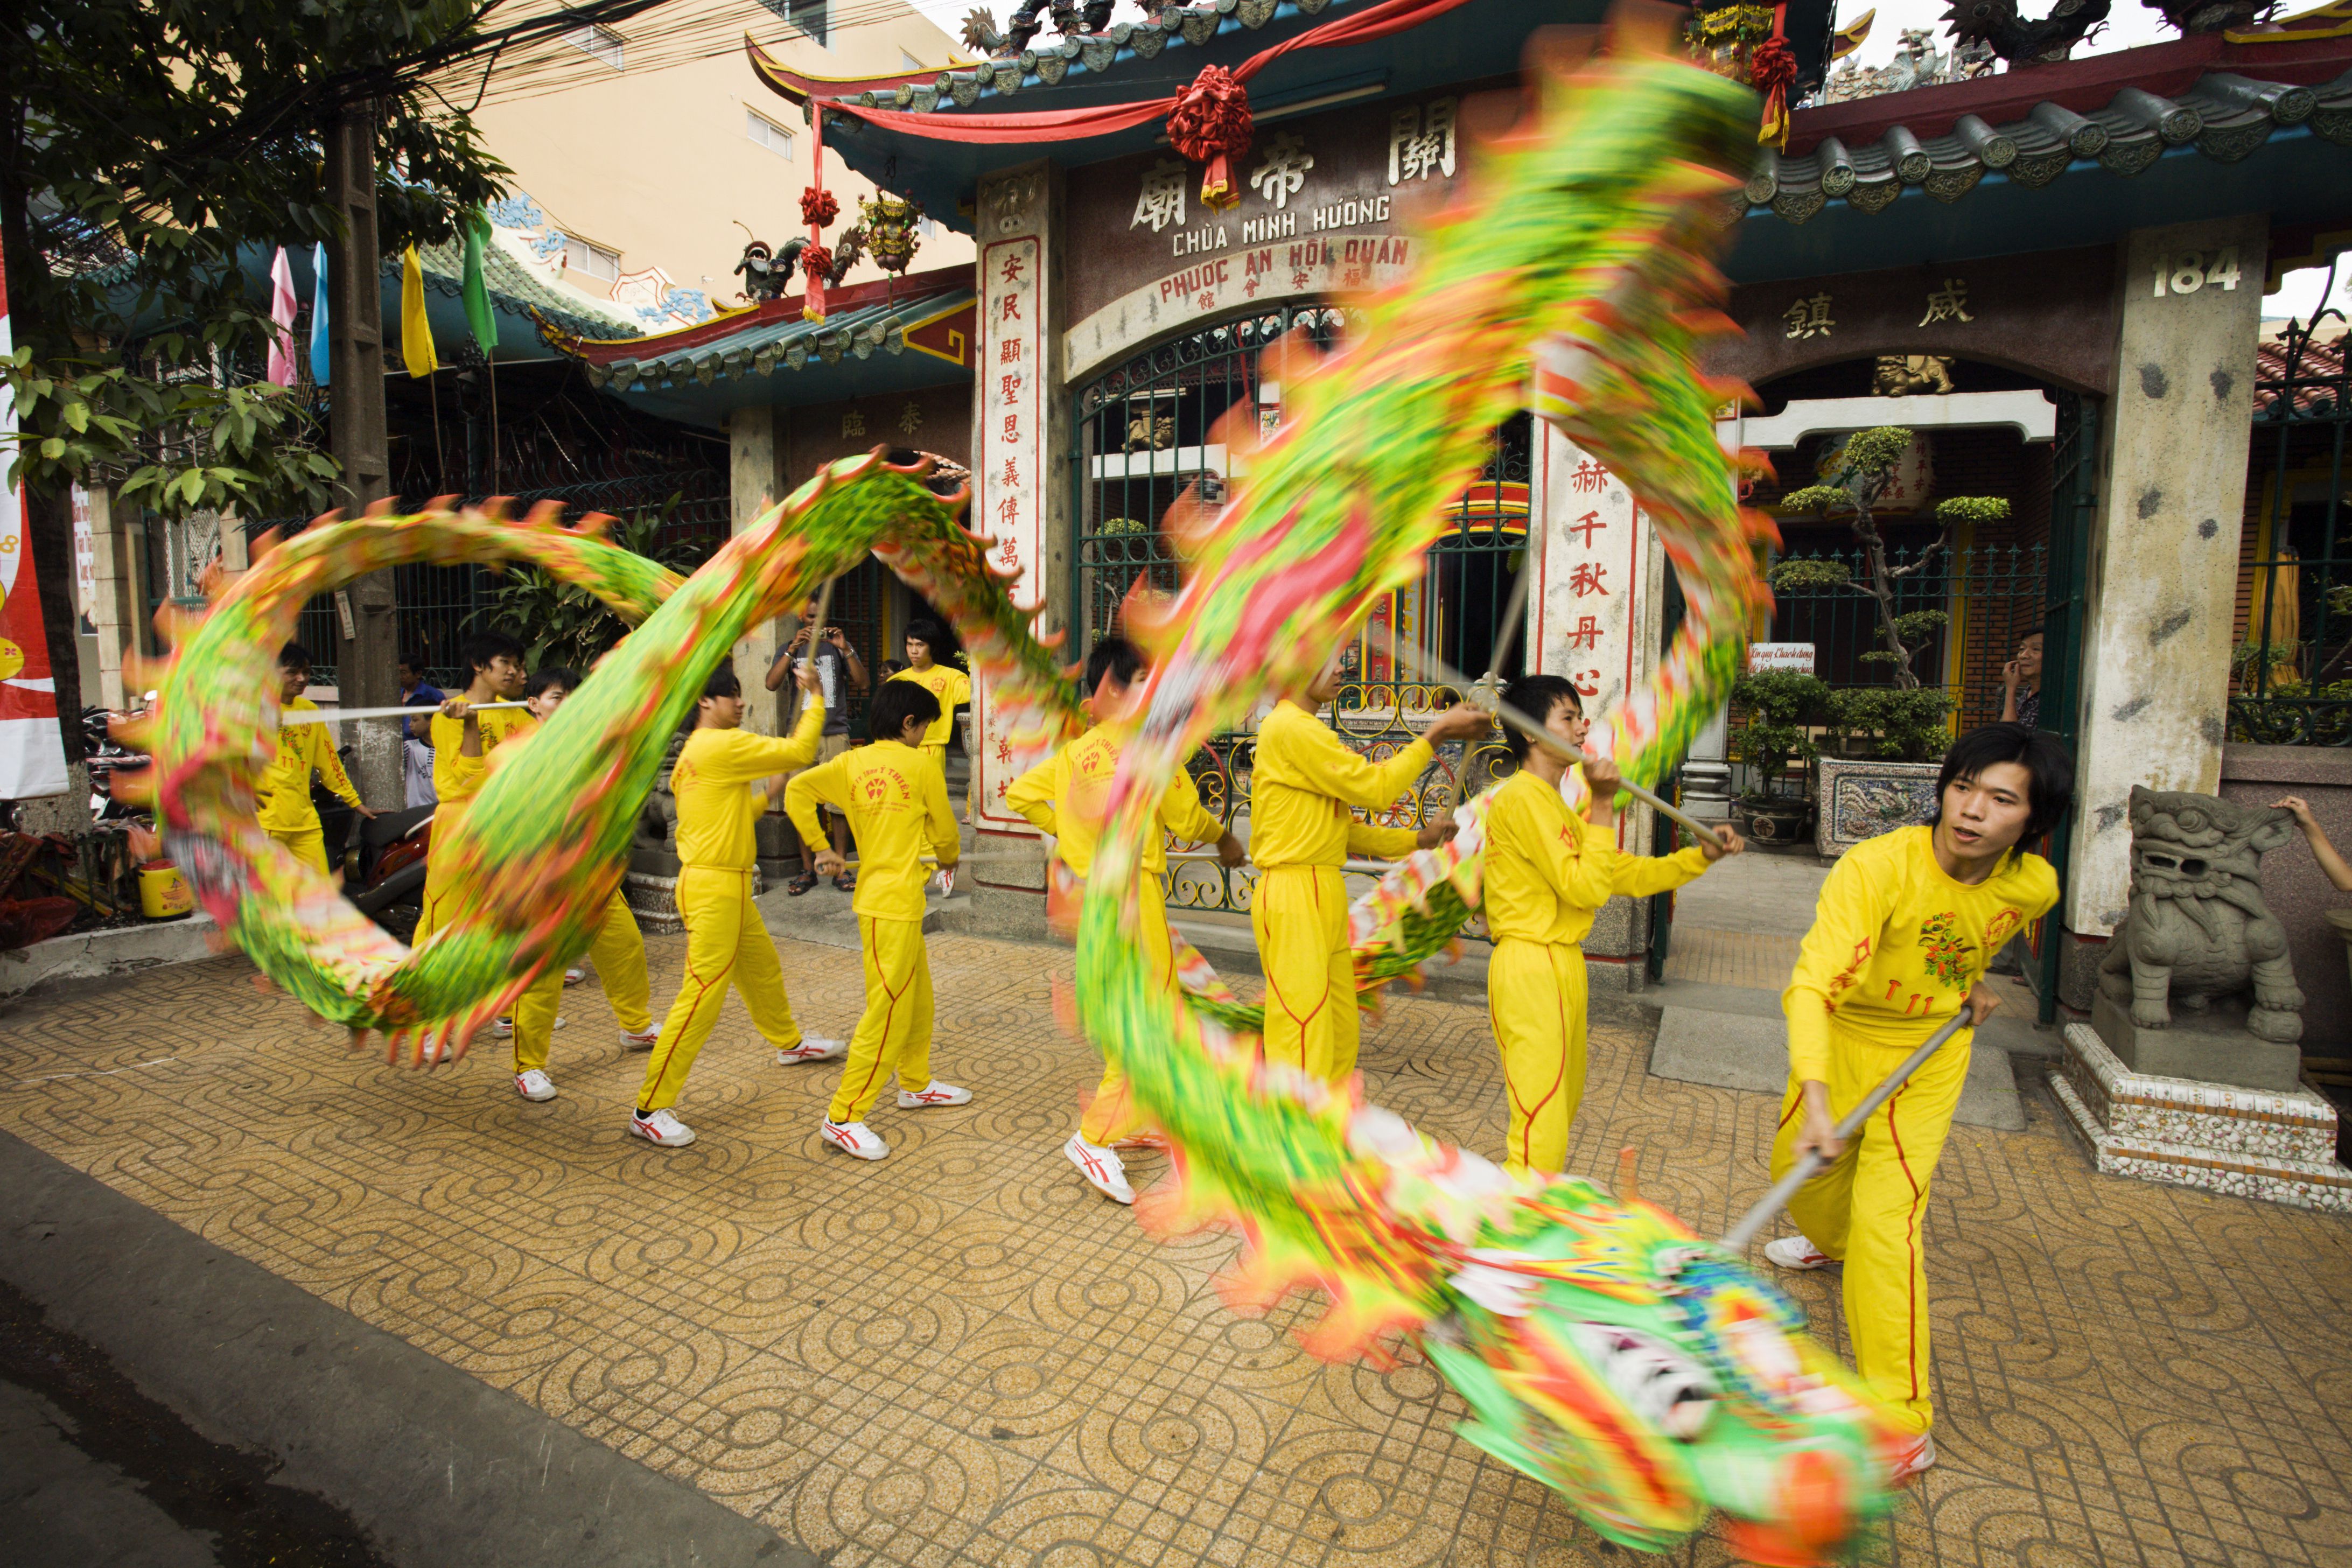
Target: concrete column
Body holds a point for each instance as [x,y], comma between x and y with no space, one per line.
[1707,773]
[2163,554]
[1021,437]
[116,601]
[755,451]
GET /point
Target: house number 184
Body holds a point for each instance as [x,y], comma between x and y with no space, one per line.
[2187,271]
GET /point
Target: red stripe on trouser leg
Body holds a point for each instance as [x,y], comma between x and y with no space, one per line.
[1869,1208]
[714,905]
[894,1031]
[1535,1002]
[1299,915]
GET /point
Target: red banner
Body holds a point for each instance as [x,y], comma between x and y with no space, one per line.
[32,754]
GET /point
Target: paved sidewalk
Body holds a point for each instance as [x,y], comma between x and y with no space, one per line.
[963,1355]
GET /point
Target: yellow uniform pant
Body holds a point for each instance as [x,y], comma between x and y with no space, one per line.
[938,756]
[895,1032]
[727,943]
[1535,999]
[619,952]
[1868,1208]
[1113,1117]
[437,902]
[308,844]
[1299,914]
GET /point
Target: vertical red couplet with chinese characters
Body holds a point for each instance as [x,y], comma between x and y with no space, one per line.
[1011,465]
[32,754]
[1588,583]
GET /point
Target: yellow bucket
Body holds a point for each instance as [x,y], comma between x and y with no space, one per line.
[162,893]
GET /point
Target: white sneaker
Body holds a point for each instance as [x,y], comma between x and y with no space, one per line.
[812,1048]
[1101,1168]
[855,1139]
[934,1093]
[1913,1460]
[1796,1252]
[504,1027]
[661,1129]
[534,1085]
[574,976]
[640,1040]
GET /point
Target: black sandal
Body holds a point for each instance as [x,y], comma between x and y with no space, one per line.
[801,884]
[846,881]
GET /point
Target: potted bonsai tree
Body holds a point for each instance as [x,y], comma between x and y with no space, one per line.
[1891,737]
[1782,706]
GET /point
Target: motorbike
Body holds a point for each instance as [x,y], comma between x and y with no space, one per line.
[107,757]
[388,883]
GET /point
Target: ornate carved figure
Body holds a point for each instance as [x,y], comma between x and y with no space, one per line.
[1996,24]
[764,278]
[2208,15]
[1146,434]
[981,34]
[2198,928]
[1901,375]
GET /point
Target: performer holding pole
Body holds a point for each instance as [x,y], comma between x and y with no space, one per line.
[1064,795]
[1549,872]
[1905,926]
[287,813]
[468,727]
[1301,831]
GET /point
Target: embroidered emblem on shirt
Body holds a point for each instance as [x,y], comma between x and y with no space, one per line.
[1948,955]
[1997,930]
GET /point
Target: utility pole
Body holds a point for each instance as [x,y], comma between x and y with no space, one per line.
[366,638]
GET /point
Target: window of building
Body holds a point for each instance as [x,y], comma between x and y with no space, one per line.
[592,260]
[811,17]
[768,133]
[601,42]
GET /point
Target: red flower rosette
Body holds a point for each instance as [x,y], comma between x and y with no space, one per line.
[818,207]
[1210,125]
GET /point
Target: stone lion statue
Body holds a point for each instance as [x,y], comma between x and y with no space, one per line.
[2198,928]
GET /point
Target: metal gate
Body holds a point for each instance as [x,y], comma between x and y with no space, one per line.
[1147,432]
[2073,500]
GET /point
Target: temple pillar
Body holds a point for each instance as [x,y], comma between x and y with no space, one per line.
[1021,442]
[755,452]
[2164,551]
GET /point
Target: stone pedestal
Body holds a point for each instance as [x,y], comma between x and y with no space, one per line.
[2280,1148]
[2212,1046]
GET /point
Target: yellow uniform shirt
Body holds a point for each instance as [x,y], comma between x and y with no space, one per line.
[717,808]
[1303,783]
[1548,870]
[950,686]
[284,790]
[896,802]
[455,778]
[1066,796]
[1896,943]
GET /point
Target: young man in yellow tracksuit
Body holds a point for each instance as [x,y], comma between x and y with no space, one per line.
[1905,929]
[1548,873]
[619,948]
[948,685]
[1066,796]
[1302,831]
[721,782]
[462,743]
[896,801]
[287,813]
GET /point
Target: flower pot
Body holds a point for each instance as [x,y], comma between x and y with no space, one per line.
[1780,823]
[1861,798]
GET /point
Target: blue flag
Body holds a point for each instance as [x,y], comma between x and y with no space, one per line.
[319,316]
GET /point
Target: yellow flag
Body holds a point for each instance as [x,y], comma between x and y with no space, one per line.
[415,326]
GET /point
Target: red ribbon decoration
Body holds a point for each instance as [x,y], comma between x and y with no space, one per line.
[1074,124]
[1210,125]
[1773,71]
[818,207]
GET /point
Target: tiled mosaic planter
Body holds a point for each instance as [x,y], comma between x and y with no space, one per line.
[1861,799]
[2244,1143]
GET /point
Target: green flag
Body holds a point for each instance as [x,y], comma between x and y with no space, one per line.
[477,294]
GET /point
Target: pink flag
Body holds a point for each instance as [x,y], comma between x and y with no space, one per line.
[281,314]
